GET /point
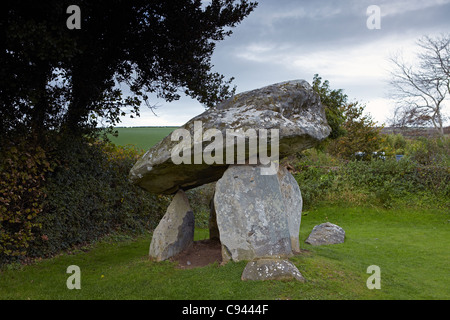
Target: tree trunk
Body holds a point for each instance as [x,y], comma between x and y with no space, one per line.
[41,102]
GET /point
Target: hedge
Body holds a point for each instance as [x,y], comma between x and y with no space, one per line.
[74,192]
[375,182]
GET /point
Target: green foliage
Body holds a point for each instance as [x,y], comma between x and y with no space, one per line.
[23,167]
[89,196]
[425,151]
[200,200]
[394,144]
[351,130]
[74,193]
[383,180]
[430,151]
[380,183]
[362,134]
[56,78]
[314,182]
[333,100]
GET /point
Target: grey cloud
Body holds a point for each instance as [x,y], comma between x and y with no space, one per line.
[286,39]
[287,28]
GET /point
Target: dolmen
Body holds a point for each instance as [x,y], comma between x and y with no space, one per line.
[257,203]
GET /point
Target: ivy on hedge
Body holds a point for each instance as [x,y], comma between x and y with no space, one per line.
[23,168]
[74,192]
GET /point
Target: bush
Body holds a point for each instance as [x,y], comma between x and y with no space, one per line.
[394,144]
[23,167]
[430,151]
[376,182]
[82,196]
[362,134]
[385,180]
[314,181]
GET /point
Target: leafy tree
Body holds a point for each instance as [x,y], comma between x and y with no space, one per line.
[333,100]
[351,130]
[362,134]
[55,85]
[55,78]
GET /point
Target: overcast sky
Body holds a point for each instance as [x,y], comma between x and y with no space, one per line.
[295,39]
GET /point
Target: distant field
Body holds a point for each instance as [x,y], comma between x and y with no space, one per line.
[141,137]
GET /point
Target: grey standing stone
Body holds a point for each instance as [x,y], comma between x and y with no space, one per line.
[293,202]
[271,269]
[326,233]
[175,231]
[251,215]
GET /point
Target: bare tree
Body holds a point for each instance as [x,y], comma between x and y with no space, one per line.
[423,90]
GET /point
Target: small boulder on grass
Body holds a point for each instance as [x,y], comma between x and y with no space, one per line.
[326,233]
[271,269]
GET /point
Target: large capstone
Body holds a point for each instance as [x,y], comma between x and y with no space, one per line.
[291,108]
[175,231]
[253,217]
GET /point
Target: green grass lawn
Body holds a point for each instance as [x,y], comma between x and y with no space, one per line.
[141,137]
[409,245]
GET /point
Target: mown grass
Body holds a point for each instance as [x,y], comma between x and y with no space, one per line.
[409,245]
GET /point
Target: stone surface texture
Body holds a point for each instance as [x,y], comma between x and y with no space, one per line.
[252,214]
[271,269]
[292,107]
[255,214]
[175,231]
[326,233]
[293,202]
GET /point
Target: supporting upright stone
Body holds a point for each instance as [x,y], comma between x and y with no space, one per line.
[251,215]
[175,231]
[294,203]
[258,216]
